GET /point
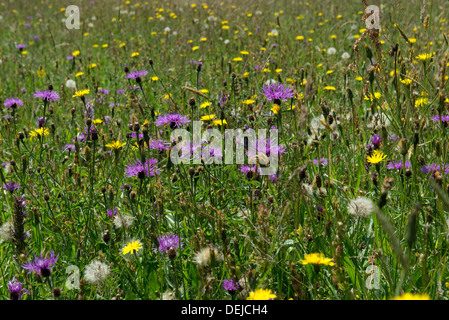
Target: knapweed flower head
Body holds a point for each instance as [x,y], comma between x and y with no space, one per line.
[69,148]
[13,103]
[16,289]
[131,247]
[377,157]
[42,265]
[47,96]
[173,120]
[168,241]
[317,259]
[111,213]
[398,165]
[277,92]
[411,296]
[433,168]
[361,207]
[11,186]
[261,294]
[264,146]
[376,140]
[139,169]
[442,118]
[230,285]
[158,145]
[321,161]
[136,74]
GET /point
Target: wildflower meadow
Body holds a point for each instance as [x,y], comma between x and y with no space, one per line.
[224,150]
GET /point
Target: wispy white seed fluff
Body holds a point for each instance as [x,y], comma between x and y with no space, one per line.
[361,207]
[207,255]
[96,272]
[331,51]
[70,84]
[345,56]
[6,231]
[123,221]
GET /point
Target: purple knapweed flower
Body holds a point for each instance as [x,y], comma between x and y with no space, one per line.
[11,186]
[433,168]
[41,265]
[277,92]
[230,285]
[265,146]
[136,74]
[158,145]
[173,120]
[13,103]
[442,118]
[69,148]
[47,96]
[168,241]
[321,161]
[376,140]
[148,168]
[111,212]
[398,165]
[393,137]
[21,46]
[16,289]
[70,57]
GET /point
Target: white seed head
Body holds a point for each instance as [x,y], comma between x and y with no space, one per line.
[96,272]
[361,207]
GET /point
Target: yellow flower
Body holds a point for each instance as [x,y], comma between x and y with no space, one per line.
[134,54]
[317,259]
[225,27]
[208,117]
[92,65]
[329,71]
[205,104]
[76,53]
[39,132]
[411,296]
[249,101]
[421,101]
[244,52]
[131,247]
[276,108]
[122,44]
[195,48]
[411,40]
[24,52]
[203,39]
[105,45]
[261,294]
[359,79]
[204,91]
[237,59]
[278,70]
[377,157]
[406,81]
[81,93]
[219,122]
[41,73]
[329,88]
[79,74]
[97,121]
[117,145]
[424,56]
[154,78]
[167,96]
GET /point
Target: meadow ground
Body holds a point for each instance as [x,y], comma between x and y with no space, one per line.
[94,204]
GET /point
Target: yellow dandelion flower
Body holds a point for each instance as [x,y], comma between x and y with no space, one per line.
[406,81]
[76,53]
[261,294]
[208,117]
[134,54]
[244,52]
[122,44]
[329,88]
[424,56]
[39,132]
[276,108]
[237,59]
[225,27]
[105,45]
[377,157]
[219,122]
[92,65]
[204,91]
[154,78]
[131,247]
[195,48]
[249,101]
[41,73]
[329,71]
[359,79]
[81,93]
[97,121]
[203,39]
[205,104]
[317,259]
[278,70]
[79,74]
[117,145]
[421,101]
[411,296]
